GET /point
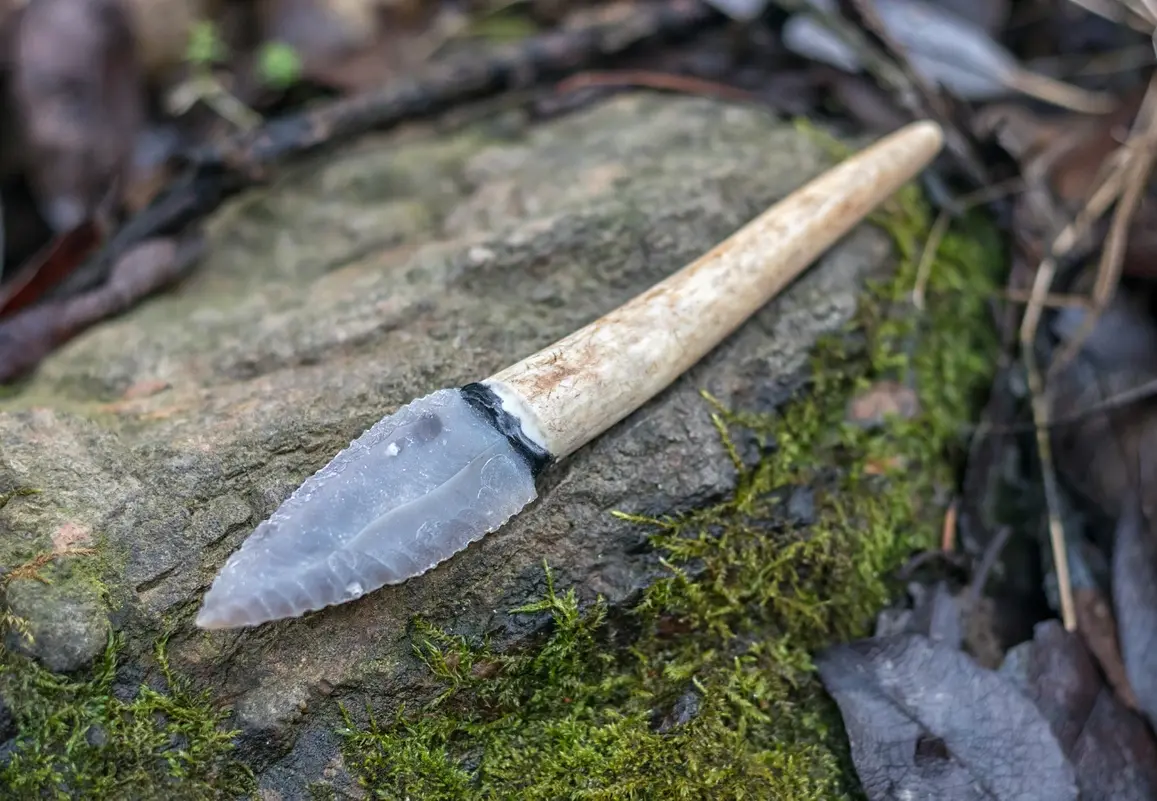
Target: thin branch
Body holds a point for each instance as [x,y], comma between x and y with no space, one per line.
[1141,148]
[1040,415]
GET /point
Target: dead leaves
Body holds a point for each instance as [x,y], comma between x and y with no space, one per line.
[1110,747]
[945,48]
[925,721]
[1135,603]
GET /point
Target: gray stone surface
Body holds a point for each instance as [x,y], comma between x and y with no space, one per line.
[68,625]
[358,281]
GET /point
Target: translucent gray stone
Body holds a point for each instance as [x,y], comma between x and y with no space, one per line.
[413,490]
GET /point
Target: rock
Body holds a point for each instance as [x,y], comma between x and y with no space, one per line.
[7,724]
[682,712]
[67,622]
[358,281]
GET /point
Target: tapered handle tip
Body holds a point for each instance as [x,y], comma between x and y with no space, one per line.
[923,139]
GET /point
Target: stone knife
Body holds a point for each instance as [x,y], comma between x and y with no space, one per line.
[445,470]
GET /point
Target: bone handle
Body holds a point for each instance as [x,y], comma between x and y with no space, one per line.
[570,392]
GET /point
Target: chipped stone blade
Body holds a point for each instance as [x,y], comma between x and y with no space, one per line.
[413,490]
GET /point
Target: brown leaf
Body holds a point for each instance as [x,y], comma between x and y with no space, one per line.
[80,96]
[1095,622]
[1070,153]
[161,29]
[883,400]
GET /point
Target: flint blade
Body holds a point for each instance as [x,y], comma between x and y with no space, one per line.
[413,490]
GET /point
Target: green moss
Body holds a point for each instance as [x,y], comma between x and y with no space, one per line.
[715,696]
[83,738]
[5,497]
[99,732]
[96,737]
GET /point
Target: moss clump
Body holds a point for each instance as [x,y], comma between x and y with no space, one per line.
[96,738]
[715,696]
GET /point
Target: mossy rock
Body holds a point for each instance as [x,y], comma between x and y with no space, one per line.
[696,553]
[69,623]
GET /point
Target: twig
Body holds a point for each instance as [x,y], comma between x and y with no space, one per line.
[931,247]
[985,194]
[28,335]
[911,92]
[439,84]
[204,87]
[1142,146]
[919,96]
[948,531]
[991,553]
[1142,391]
[1111,62]
[1059,93]
[1109,189]
[1051,301]
[212,172]
[655,80]
[1040,415]
[1069,237]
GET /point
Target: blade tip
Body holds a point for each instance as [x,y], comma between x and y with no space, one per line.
[215,615]
[210,619]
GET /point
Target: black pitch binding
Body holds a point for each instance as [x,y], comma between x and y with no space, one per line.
[483,399]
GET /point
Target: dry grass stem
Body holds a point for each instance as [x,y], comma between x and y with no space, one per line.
[1050,301]
[1141,148]
[975,198]
[31,569]
[1061,94]
[924,269]
[948,532]
[1040,416]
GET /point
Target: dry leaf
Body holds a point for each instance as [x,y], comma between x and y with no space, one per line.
[882,401]
[79,92]
[162,28]
[944,48]
[1095,622]
[925,721]
[1135,603]
[1111,749]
